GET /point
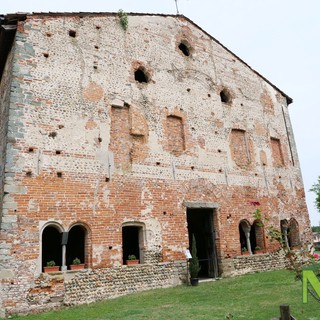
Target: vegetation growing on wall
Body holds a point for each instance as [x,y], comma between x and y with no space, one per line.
[123,19]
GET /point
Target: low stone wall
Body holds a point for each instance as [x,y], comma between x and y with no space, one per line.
[52,291]
[253,263]
[89,285]
[101,284]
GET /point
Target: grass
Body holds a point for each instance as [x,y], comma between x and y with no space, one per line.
[249,297]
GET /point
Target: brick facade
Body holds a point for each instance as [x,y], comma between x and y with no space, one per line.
[119,142]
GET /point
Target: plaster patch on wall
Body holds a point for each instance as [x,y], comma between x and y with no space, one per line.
[93,92]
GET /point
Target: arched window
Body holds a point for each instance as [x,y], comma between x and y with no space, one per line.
[76,245]
[284,232]
[51,245]
[133,241]
[293,234]
[244,233]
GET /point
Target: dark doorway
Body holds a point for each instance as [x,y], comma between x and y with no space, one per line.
[130,242]
[200,223]
[51,246]
[253,239]
[243,240]
[76,244]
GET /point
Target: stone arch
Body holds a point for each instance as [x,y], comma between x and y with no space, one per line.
[293,234]
[79,243]
[244,235]
[51,243]
[133,240]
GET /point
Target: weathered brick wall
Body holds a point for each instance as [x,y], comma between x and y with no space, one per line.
[94,147]
[5,87]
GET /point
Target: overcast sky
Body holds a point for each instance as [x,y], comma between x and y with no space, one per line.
[278,38]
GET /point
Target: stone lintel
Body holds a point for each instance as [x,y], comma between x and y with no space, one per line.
[195,204]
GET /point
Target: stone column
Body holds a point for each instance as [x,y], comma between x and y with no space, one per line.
[64,267]
[246,229]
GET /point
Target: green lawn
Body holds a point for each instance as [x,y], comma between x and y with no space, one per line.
[250,297]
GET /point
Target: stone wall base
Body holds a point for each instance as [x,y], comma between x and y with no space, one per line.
[55,290]
[253,263]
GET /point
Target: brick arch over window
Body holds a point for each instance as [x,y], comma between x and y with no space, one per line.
[293,233]
[257,236]
[51,244]
[79,244]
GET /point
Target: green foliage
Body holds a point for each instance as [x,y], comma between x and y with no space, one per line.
[123,19]
[132,257]
[76,261]
[316,189]
[51,263]
[316,229]
[194,266]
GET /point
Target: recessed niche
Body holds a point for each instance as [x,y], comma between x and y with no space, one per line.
[96,47]
[107,179]
[58,151]
[59,174]
[158,163]
[188,89]
[72,33]
[225,96]
[184,48]
[46,55]
[28,173]
[31,150]
[141,75]
[98,27]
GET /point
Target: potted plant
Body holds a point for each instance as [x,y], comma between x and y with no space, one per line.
[194,266]
[244,251]
[258,250]
[51,267]
[76,264]
[132,260]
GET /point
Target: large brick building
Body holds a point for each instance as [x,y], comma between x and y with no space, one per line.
[119,141]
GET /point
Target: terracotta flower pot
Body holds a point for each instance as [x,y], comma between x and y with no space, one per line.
[51,269]
[258,252]
[77,266]
[245,253]
[132,262]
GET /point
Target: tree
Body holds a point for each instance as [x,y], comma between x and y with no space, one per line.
[194,266]
[316,189]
